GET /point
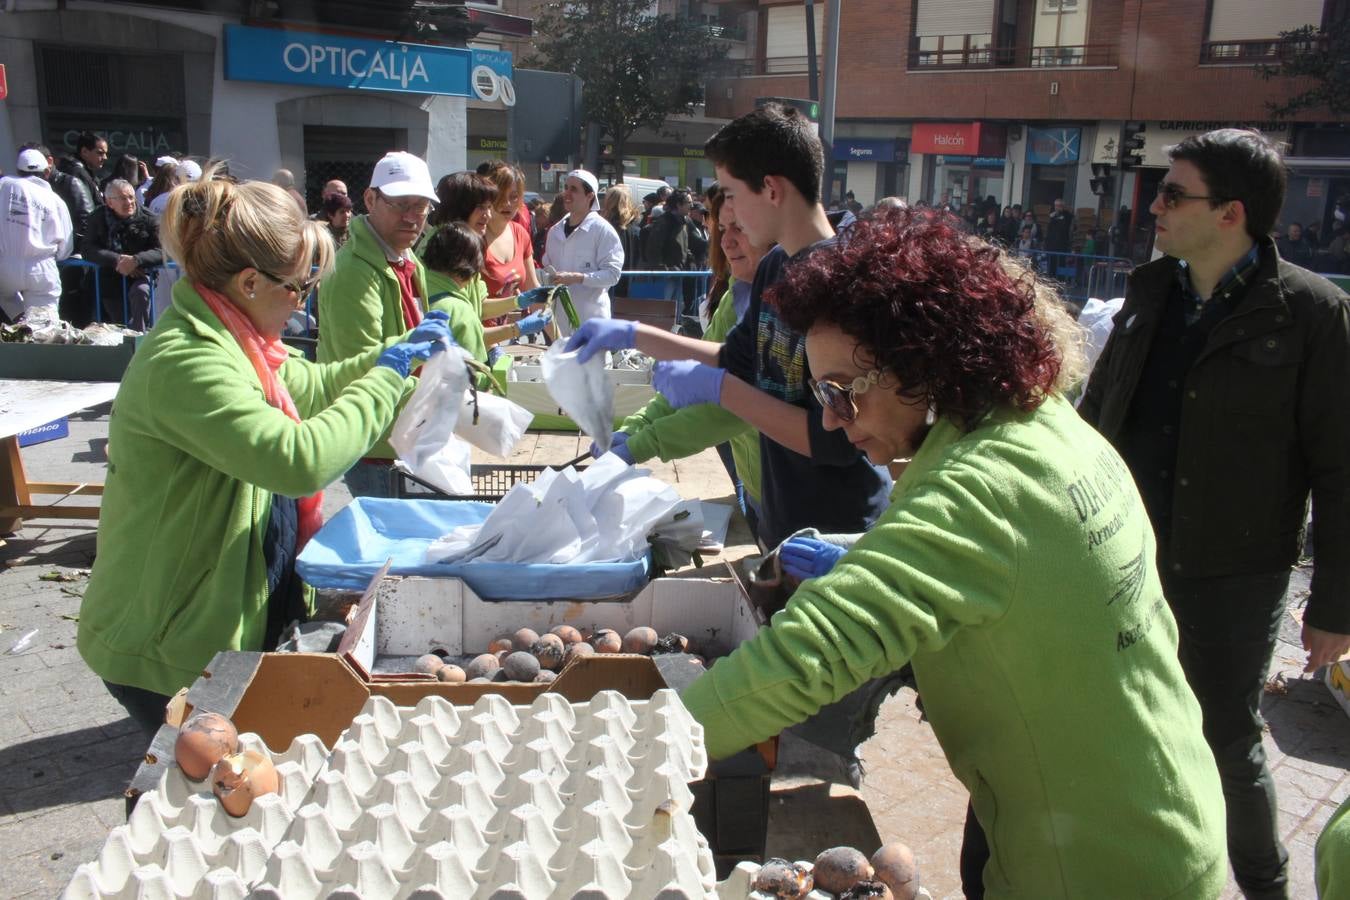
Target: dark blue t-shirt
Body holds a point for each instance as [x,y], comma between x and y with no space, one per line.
[835,489]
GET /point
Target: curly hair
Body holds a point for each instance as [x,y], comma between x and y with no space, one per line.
[956,321]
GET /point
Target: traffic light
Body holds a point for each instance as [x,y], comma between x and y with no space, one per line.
[1101,182]
[1132,145]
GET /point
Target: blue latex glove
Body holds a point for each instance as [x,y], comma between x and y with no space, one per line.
[526,299]
[684,382]
[535,322]
[435,327]
[618,445]
[400,357]
[494,354]
[808,557]
[597,335]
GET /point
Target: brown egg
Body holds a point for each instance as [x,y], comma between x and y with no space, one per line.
[568,634]
[429,664]
[499,644]
[607,640]
[451,674]
[482,666]
[545,677]
[524,639]
[783,879]
[521,666]
[576,651]
[868,890]
[640,640]
[241,778]
[895,867]
[839,868]
[549,650]
[204,740]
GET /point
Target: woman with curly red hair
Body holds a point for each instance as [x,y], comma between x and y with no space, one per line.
[1014,568]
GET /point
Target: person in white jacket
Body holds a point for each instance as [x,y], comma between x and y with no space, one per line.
[583,251]
[35,232]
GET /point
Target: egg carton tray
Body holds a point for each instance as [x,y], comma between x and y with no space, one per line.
[554,799]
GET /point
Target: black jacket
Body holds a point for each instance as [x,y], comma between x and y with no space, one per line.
[666,244]
[1264,422]
[109,237]
[1059,232]
[78,197]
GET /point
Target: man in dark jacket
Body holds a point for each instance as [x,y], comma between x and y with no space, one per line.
[667,245]
[1225,386]
[1059,230]
[123,239]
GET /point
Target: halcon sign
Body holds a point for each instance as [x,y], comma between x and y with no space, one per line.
[328,60]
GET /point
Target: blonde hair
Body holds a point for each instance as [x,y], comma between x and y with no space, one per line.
[620,209]
[215,228]
[1055,320]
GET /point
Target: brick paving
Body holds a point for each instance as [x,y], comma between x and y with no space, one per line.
[67,751]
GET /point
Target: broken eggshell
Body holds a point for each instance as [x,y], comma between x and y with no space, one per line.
[240,778]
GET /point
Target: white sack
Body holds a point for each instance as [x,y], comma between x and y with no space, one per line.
[500,423]
[424,435]
[583,390]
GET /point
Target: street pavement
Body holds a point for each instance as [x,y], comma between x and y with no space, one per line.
[67,751]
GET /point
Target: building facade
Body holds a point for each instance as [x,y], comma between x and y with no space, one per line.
[1018,99]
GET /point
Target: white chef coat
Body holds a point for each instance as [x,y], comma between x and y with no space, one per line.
[594,250]
[35,232]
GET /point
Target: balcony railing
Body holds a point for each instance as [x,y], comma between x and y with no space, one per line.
[969,51]
[1262,52]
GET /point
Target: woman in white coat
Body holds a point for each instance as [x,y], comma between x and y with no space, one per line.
[583,250]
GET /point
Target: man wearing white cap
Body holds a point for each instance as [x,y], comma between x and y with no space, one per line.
[583,250]
[378,287]
[35,232]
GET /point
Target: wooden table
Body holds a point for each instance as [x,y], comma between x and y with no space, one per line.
[26,404]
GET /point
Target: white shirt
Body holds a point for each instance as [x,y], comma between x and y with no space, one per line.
[35,232]
[594,250]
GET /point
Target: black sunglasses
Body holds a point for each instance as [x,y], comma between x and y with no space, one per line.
[1173,193]
[840,399]
[300,287]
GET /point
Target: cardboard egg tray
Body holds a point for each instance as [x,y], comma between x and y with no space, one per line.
[180,842]
[554,799]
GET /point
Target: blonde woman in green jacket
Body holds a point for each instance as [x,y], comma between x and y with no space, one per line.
[220,444]
[1014,568]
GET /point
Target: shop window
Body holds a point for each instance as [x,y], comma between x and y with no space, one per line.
[134,99]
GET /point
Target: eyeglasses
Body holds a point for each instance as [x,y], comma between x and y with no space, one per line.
[414,208]
[841,400]
[301,288]
[1173,193]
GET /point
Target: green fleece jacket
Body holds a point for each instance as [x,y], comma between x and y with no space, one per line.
[660,430]
[1015,568]
[360,305]
[1332,856]
[464,305]
[195,453]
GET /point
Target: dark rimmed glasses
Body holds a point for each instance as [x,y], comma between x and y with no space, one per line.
[1173,193]
[302,288]
[842,399]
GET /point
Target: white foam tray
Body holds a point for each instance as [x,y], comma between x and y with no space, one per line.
[548,800]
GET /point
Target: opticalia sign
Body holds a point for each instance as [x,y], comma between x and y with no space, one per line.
[327,60]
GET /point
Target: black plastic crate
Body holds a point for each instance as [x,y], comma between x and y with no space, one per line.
[490,482]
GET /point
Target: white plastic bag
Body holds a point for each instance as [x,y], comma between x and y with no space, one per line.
[500,423]
[424,435]
[583,390]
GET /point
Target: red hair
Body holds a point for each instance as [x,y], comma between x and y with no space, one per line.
[942,311]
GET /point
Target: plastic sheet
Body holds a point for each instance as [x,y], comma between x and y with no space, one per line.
[583,390]
[353,545]
[424,434]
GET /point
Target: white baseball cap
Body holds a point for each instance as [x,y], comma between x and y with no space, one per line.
[165,161]
[189,170]
[31,162]
[590,181]
[401,174]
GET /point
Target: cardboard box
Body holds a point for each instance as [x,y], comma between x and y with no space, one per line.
[400,619]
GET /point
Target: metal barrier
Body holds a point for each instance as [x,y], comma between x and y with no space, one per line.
[1079,275]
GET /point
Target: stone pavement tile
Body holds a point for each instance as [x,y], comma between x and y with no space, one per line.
[1300,792]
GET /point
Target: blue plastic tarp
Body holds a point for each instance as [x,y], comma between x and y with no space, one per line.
[352,546]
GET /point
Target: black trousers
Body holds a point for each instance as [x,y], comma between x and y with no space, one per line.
[146,708]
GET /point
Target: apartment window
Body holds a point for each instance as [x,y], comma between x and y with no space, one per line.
[785,38]
[1060,32]
[1249,30]
[953,33]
